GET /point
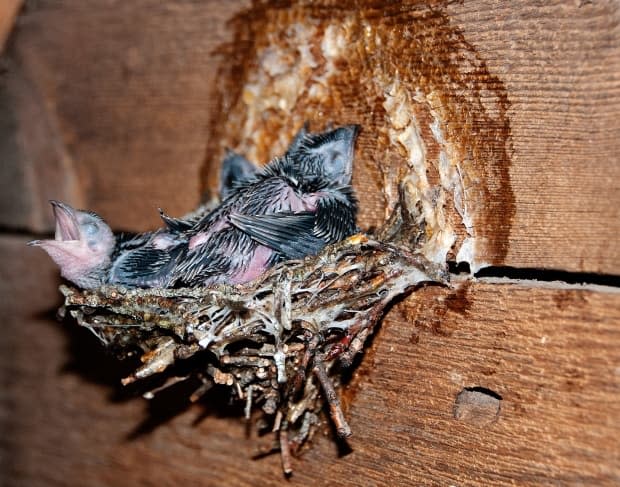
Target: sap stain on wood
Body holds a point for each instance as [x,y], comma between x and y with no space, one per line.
[455,302]
[326,63]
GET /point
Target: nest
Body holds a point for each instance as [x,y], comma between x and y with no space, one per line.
[280,343]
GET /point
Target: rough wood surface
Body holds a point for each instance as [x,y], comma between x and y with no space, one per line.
[560,62]
[120,107]
[122,95]
[8,13]
[549,352]
[522,101]
[133,111]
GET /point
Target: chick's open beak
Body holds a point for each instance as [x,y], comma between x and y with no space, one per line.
[66,222]
[66,225]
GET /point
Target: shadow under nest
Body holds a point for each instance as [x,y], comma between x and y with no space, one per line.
[281,342]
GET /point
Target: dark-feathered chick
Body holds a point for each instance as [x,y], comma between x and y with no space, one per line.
[90,255]
[235,170]
[294,207]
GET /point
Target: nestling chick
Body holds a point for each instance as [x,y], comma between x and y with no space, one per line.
[90,255]
[147,260]
[294,207]
[82,246]
[236,169]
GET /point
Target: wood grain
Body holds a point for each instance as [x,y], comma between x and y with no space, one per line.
[527,95]
[128,100]
[135,106]
[117,106]
[549,352]
[560,63]
[8,13]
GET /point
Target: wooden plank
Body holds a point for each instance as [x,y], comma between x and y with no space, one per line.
[560,64]
[507,131]
[36,166]
[127,90]
[549,352]
[8,13]
[527,96]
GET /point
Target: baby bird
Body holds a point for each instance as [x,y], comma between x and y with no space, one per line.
[82,246]
[235,170]
[90,255]
[292,208]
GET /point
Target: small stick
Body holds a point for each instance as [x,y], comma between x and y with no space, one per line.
[201,391]
[169,383]
[248,402]
[285,452]
[304,431]
[342,427]
[277,422]
[301,374]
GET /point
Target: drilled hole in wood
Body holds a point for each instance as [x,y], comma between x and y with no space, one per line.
[477,405]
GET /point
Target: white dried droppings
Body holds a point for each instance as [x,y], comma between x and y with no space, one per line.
[452,179]
[280,360]
[334,43]
[404,131]
[281,78]
[467,253]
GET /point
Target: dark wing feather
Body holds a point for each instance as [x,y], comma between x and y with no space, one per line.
[147,266]
[335,217]
[128,241]
[217,257]
[290,234]
[177,225]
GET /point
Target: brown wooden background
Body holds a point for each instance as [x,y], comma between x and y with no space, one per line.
[110,106]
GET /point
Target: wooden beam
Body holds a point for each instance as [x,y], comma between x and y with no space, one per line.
[493,382]
[560,64]
[549,352]
[126,92]
[488,118]
[530,108]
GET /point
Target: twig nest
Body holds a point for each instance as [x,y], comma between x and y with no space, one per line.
[278,342]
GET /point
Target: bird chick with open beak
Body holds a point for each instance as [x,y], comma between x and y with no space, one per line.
[90,255]
[292,208]
[82,246]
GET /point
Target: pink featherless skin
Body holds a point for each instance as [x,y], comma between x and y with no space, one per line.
[82,246]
